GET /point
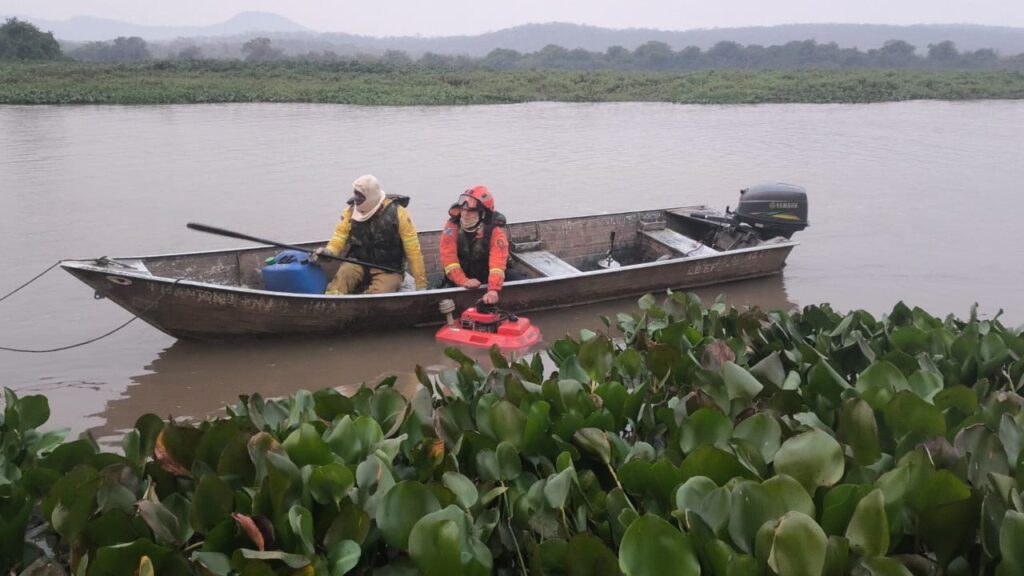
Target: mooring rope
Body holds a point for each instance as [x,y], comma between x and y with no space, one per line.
[37,277]
[89,341]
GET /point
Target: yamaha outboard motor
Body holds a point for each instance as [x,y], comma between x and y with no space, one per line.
[773,209]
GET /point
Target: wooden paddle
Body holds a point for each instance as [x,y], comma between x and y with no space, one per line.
[240,236]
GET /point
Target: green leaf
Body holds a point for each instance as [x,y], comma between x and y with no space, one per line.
[787,493]
[705,427]
[330,483]
[883,567]
[125,558]
[1011,534]
[926,385]
[879,383]
[907,413]
[690,494]
[594,442]
[305,446]
[629,362]
[799,546]
[218,564]
[388,408]
[509,423]
[653,547]
[351,523]
[465,491]
[587,555]
[161,521]
[32,412]
[403,506]
[487,466]
[353,440]
[715,463]
[441,544]
[178,445]
[285,482]
[740,383]
[959,397]
[300,520]
[343,556]
[509,464]
[938,489]
[72,500]
[909,339]
[868,531]
[595,356]
[763,432]
[840,503]
[837,557]
[535,432]
[662,359]
[329,403]
[770,369]
[813,458]
[213,502]
[822,379]
[948,530]
[556,491]
[859,430]
[290,560]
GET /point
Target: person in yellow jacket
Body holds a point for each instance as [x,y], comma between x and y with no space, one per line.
[376,230]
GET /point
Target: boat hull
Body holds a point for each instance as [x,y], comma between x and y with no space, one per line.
[208,311]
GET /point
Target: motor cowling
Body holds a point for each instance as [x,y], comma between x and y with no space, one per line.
[486,326]
[773,209]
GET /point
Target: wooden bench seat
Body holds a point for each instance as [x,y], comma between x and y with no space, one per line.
[684,245]
[545,263]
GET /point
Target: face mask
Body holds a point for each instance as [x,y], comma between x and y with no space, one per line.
[469,219]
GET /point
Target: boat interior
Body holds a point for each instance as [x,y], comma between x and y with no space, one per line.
[545,248]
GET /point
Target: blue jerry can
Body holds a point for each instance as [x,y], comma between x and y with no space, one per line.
[291,271]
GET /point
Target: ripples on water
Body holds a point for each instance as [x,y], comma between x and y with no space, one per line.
[915,201]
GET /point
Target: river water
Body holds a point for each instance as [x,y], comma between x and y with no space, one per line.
[915,201]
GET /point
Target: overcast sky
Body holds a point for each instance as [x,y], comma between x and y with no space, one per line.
[447,17]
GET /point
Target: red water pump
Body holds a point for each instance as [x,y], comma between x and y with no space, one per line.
[485,326]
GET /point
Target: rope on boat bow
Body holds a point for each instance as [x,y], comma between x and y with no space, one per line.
[37,277]
[89,341]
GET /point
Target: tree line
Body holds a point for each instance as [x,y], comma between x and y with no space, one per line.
[22,41]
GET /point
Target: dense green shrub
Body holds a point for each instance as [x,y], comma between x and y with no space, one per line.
[20,40]
[700,439]
[184,82]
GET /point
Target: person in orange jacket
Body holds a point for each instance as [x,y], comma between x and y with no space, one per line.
[474,244]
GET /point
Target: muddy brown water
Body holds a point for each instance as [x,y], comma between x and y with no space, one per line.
[916,201]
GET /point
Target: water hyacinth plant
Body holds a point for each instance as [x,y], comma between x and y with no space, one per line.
[697,440]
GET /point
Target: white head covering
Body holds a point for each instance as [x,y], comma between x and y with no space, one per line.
[368,186]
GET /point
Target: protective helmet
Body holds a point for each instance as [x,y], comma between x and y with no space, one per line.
[478,196]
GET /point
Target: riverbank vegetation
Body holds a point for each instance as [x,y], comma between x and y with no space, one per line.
[377,84]
[687,440]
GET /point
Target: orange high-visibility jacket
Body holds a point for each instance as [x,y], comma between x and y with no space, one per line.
[497,255]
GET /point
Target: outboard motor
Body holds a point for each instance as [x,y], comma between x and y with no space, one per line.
[773,209]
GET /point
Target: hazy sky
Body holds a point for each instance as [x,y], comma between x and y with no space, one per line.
[446,17]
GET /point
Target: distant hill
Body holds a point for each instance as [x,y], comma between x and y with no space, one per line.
[87,28]
[294,38]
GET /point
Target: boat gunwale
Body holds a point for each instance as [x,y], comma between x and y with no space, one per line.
[81,264]
[258,246]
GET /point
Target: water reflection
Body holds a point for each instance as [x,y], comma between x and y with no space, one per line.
[199,378]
